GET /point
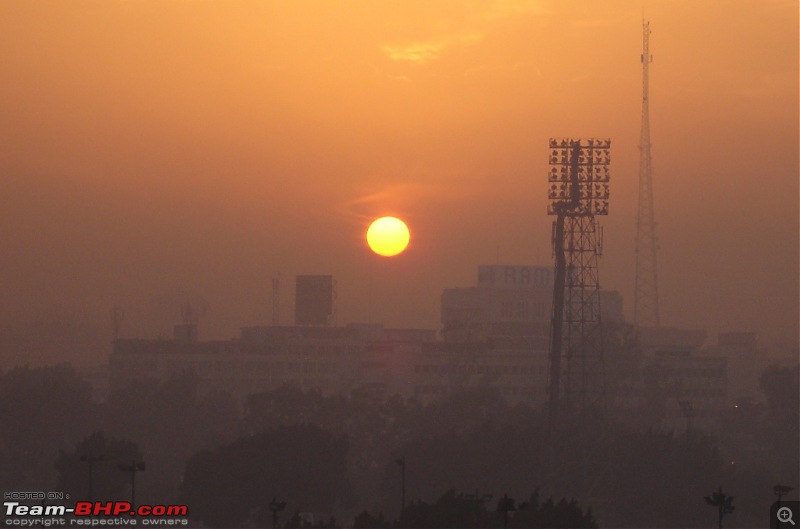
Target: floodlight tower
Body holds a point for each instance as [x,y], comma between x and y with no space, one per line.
[578,192]
[645,308]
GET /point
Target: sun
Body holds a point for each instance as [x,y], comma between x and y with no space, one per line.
[388,236]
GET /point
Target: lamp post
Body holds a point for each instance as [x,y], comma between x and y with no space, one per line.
[133,468]
[402,462]
[276,506]
[505,505]
[781,491]
[91,459]
[479,501]
[722,502]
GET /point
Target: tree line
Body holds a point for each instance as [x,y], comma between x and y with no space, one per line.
[337,456]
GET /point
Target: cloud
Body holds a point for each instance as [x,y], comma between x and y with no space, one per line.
[472,31]
[426,51]
[400,196]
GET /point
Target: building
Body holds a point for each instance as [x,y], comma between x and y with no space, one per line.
[677,385]
[495,336]
[326,359]
[745,363]
[315,297]
[509,302]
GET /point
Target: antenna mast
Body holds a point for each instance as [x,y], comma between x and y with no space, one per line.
[276,300]
[645,309]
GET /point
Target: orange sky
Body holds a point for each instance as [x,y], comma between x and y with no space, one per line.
[158,151]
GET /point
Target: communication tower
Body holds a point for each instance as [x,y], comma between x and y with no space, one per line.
[578,193]
[645,308]
[276,300]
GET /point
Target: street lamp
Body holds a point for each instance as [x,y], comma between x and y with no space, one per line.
[479,501]
[505,505]
[781,491]
[133,468]
[276,506]
[402,462]
[722,502]
[91,460]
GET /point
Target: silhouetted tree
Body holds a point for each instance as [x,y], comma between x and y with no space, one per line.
[108,483]
[491,457]
[302,464]
[364,520]
[454,510]
[781,387]
[451,510]
[657,479]
[42,410]
[170,420]
[564,514]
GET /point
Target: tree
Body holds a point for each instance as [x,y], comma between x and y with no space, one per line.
[364,520]
[42,410]
[107,482]
[658,477]
[722,502]
[451,510]
[564,514]
[781,386]
[232,483]
[170,420]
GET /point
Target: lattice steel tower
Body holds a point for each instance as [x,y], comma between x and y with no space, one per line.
[578,192]
[645,308]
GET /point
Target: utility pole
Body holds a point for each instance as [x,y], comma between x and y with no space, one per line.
[276,300]
[133,468]
[402,462]
[91,460]
[505,505]
[723,503]
[276,506]
[479,501]
[781,491]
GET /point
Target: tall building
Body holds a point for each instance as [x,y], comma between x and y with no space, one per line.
[494,337]
[331,360]
[745,363]
[510,302]
[315,297]
[678,385]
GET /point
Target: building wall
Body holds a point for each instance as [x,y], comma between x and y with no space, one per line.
[495,336]
[405,362]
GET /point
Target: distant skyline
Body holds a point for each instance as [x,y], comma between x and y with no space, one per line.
[156,153]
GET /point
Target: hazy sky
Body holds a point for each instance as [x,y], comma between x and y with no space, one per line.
[154,152]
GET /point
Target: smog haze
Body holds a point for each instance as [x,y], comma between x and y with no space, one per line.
[163,153]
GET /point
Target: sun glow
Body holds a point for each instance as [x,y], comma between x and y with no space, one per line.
[388,236]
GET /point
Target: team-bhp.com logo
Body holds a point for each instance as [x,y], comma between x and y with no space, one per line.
[116,508]
[94,513]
